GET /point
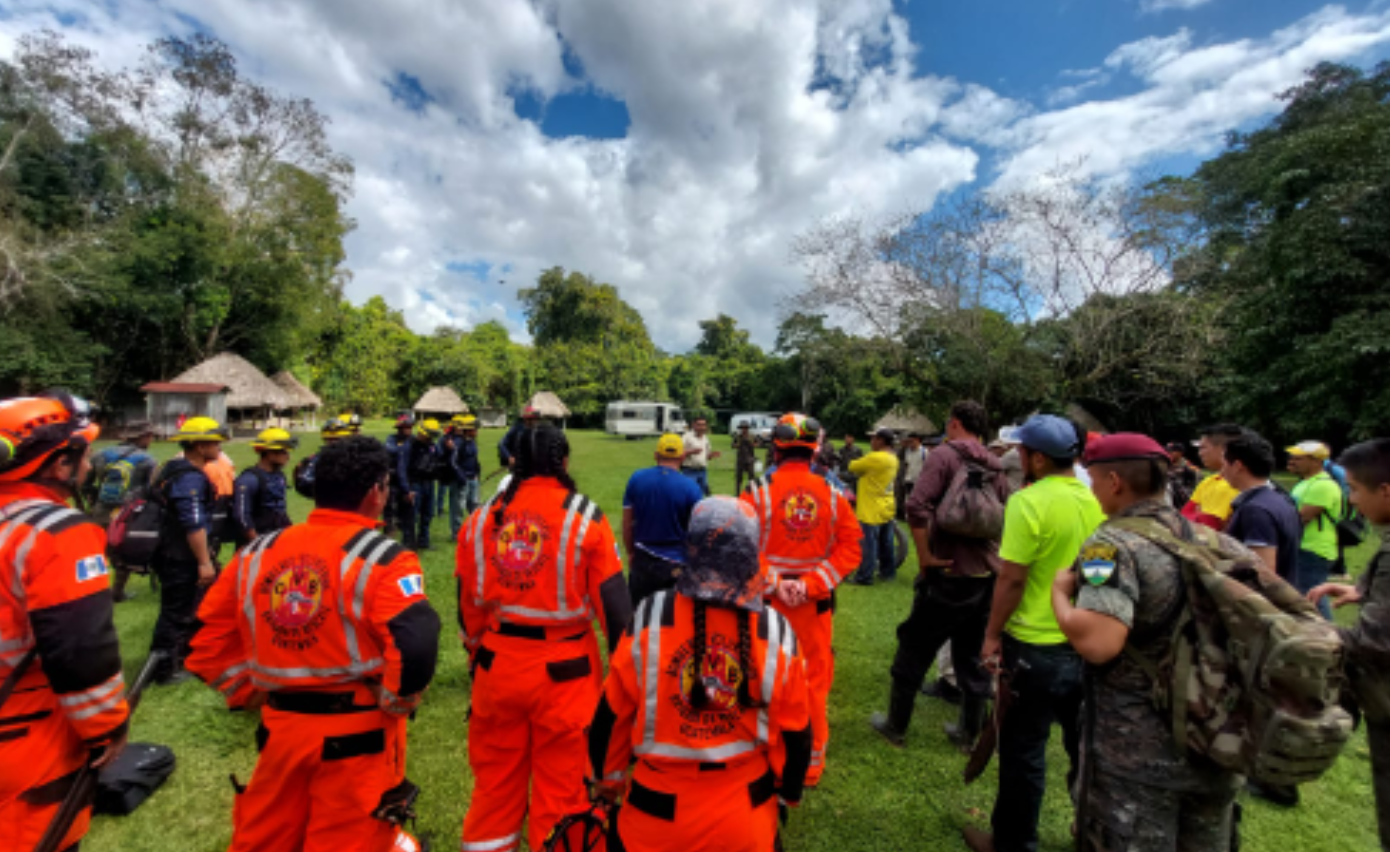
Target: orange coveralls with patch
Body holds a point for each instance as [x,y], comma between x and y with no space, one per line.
[529,589]
[331,620]
[706,779]
[55,598]
[808,532]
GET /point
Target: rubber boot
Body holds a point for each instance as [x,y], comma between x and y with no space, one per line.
[972,718]
[893,727]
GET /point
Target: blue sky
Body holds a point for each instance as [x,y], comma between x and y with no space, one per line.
[676,148]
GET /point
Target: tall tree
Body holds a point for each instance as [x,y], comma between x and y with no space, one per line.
[1297,214]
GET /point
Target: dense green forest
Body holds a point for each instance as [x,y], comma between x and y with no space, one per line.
[155,216]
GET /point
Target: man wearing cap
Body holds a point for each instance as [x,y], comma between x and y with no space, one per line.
[1140,792]
[875,508]
[1045,525]
[1210,503]
[1319,501]
[745,456]
[459,449]
[119,475]
[656,514]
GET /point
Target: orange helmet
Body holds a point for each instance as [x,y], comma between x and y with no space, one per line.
[32,429]
[796,430]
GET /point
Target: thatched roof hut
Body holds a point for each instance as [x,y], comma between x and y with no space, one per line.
[441,400]
[250,388]
[906,420]
[549,406]
[297,394]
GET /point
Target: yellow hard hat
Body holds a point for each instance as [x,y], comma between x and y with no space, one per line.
[274,440]
[352,423]
[201,429]
[428,429]
[336,428]
[464,421]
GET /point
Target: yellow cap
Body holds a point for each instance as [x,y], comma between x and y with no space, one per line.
[428,429]
[274,440]
[670,447]
[1316,449]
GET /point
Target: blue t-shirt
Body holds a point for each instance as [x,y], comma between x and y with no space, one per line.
[1267,517]
[661,500]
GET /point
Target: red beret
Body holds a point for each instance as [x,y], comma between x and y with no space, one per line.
[1124,446]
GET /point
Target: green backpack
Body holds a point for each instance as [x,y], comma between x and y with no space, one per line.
[1254,673]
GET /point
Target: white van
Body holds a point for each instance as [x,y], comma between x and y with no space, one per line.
[643,419]
[760,425]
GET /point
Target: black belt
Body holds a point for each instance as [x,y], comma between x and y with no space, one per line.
[317,703]
[662,806]
[531,631]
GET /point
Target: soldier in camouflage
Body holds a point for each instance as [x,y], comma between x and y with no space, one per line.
[1368,641]
[1137,792]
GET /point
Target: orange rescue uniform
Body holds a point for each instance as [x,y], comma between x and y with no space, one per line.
[707,779]
[808,532]
[55,599]
[330,619]
[529,589]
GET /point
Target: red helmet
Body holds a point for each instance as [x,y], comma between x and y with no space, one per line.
[796,430]
[32,429]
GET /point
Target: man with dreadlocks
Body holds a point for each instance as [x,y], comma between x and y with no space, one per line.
[809,542]
[536,564]
[708,692]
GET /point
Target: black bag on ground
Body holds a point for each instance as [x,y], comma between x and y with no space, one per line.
[132,777]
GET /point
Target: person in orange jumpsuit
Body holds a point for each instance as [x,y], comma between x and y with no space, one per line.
[58,646]
[329,621]
[809,543]
[535,565]
[708,691]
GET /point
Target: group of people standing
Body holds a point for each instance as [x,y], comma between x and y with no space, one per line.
[712,716]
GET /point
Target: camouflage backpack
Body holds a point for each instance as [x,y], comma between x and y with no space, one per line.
[1253,676]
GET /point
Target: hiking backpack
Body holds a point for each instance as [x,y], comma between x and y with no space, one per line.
[133,534]
[971,507]
[115,480]
[1253,676]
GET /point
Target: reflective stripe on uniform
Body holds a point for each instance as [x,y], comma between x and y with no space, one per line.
[775,627]
[375,546]
[705,755]
[231,678]
[42,521]
[96,693]
[499,844]
[249,568]
[351,670]
[480,566]
[650,674]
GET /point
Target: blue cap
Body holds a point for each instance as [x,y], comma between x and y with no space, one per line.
[1050,435]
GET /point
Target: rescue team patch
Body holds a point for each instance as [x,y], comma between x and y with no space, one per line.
[516,557]
[1098,563]
[721,675]
[91,568]
[800,510]
[412,585]
[292,596]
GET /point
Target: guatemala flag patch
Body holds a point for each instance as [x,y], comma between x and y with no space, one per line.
[91,568]
[412,585]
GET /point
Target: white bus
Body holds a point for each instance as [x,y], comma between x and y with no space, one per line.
[643,419]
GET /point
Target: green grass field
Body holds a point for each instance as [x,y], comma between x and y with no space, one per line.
[873,797]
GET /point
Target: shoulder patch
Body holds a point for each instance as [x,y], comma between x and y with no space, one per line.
[91,568]
[1098,562]
[412,585]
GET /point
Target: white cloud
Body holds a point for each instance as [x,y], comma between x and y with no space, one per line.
[1152,6]
[750,121]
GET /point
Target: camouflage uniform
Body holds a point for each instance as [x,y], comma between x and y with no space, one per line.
[745,460]
[1142,794]
[1368,657]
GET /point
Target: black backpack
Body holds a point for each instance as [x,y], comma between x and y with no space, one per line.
[132,777]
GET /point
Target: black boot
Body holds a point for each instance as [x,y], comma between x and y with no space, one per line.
[972,718]
[942,690]
[893,727]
